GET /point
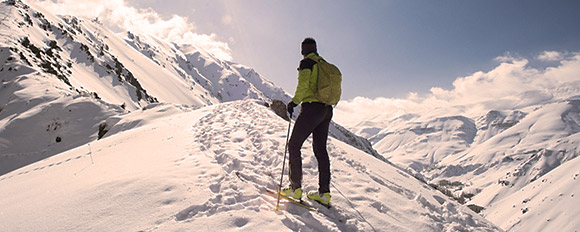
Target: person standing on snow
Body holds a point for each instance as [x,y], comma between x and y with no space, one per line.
[314,118]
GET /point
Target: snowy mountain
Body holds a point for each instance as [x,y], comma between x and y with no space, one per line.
[99,128]
[505,160]
[57,68]
[170,168]
[108,132]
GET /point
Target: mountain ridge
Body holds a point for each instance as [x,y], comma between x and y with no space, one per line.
[72,57]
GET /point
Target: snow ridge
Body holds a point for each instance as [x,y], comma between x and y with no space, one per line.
[207,169]
[48,60]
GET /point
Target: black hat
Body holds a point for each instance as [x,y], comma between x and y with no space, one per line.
[308,46]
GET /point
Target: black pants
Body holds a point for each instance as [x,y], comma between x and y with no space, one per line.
[313,119]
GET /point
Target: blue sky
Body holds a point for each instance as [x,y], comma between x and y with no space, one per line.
[384,48]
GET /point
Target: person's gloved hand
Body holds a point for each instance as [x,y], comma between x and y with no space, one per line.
[291,106]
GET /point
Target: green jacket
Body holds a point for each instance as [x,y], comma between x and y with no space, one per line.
[307,79]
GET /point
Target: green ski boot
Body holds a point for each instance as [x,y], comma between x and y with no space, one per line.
[323,198]
[289,192]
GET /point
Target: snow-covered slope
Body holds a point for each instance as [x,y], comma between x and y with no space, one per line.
[548,204]
[440,137]
[56,71]
[54,68]
[492,156]
[170,168]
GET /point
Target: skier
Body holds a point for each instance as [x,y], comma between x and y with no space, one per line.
[314,118]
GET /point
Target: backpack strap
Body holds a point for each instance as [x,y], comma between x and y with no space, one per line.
[306,63]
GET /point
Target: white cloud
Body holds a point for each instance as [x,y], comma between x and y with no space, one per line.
[511,84]
[550,56]
[507,79]
[208,42]
[507,57]
[568,71]
[117,13]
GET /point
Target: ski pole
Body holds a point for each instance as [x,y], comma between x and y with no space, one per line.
[283,163]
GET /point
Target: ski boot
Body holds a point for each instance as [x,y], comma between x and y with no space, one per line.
[294,193]
[322,198]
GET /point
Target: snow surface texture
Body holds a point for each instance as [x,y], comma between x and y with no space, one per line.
[56,70]
[208,170]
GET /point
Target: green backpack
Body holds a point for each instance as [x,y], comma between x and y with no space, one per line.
[329,80]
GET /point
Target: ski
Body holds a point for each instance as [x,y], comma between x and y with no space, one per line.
[318,203]
[317,208]
[306,204]
[297,202]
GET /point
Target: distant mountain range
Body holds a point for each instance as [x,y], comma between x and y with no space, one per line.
[494,156]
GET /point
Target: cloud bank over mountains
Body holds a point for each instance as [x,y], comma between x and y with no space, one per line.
[513,83]
[117,14]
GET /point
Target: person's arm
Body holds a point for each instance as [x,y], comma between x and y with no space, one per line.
[303,85]
[304,76]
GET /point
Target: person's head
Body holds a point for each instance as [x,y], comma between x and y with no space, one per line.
[308,46]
